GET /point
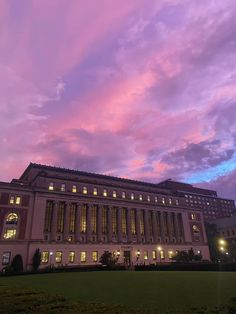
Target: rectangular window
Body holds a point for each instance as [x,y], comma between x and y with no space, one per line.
[48,216]
[156,199]
[51,186]
[193,216]
[12,199]
[72,217]
[132,218]
[150,219]
[123,195]
[170,254]
[145,255]
[94,219]
[148,198]
[74,188]
[163,200]
[58,258]
[85,190]
[124,221]
[105,192]
[170,201]
[18,200]
[142,222]
[63,187]
[60,216]
[114,193]
[6,257]
[9,233]
[114,220]
[104,220]
[71,257]
[95,256]
[140,197]
[95,191]
[44,257]
[154,255]
[176,202]
[83,224]
[83,257]
[162,254]
[132,196]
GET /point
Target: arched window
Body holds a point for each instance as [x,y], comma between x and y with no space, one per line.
[11,225]
[12,219]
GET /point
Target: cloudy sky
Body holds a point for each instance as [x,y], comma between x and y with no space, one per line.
[143,89]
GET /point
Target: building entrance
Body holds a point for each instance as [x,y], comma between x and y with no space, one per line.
[127,258]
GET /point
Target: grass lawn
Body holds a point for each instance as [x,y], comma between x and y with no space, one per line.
[149,290]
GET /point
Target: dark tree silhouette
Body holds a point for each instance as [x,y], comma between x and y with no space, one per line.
[17,263]
[107,259]
[36,259]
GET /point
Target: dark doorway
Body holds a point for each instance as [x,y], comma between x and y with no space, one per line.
[127,258]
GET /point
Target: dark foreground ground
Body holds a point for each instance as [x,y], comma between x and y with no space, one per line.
[119,292]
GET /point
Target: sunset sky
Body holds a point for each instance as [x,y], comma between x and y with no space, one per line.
[142,89]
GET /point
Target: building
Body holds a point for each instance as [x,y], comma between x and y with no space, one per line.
[212,206]
[226,228]
[74,216]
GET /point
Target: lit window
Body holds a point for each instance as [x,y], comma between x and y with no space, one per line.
[12,219]
[163,200]
[162,254]
[123,195]
[85,190]
[51,186]
[71,257]
[105,192]
[6,258]
[193,216]
[114,193]
[9,233]
[63,187]
[83,257]
[170,201]
[58,257]
[12,199]
[74,188]
[95,191]
[195,229]
[170,254]
[44,257]
[148,198]
[132,196]
[18,200]
[156,199]
[145,255]
[95,256]
[176,202]
[154,255]
[140,197]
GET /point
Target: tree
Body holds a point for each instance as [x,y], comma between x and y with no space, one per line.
[17,263]
[107,259]
[36,259]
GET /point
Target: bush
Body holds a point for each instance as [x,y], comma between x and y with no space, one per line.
[17,263]
[107,259]
[36,259]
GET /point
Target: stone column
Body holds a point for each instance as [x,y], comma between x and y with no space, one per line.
[162,223]
[119,221]
[146,226]
[109,221]
[66,221]
[129,233]
[88,223]
[99,223]
[154,226]
[54,221]
[177,234]
[137,221]
[170,227]
[77,222]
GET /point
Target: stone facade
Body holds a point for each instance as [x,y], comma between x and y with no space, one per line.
[74,216]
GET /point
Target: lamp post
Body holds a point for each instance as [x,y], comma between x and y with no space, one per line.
[159,249]
[222,247]
[50,258]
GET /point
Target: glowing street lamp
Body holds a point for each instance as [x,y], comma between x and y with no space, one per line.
[159,249]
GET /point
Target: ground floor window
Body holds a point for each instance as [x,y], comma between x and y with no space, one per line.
[71,257]
[83,257]
[95,256]
[58,257]
[154,255]
[6,257]
[145,255]
[44,256]
[162,254]
[9,233]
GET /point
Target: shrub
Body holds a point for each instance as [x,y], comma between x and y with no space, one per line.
[36,259]
[17,263]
